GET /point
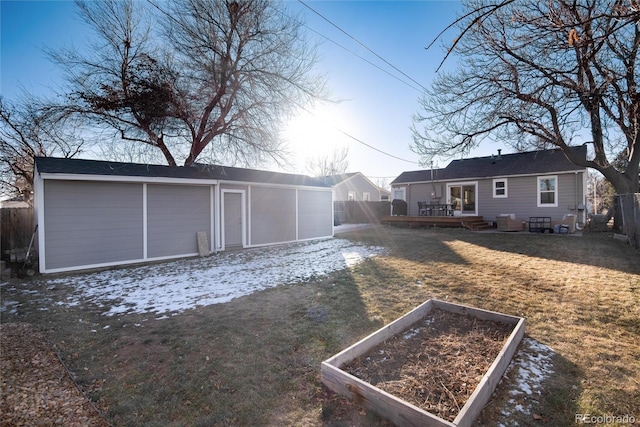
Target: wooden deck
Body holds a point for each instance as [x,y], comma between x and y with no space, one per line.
[475,223]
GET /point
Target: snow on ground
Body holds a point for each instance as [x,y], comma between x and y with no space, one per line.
[176,286]
[344,228]
[184,284]
[531,365]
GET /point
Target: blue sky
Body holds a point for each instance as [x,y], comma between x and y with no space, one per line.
[375,107]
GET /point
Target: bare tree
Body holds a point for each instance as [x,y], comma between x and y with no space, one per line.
[335,163]
[193,75]
[383,182]
[25,133]
[541,74]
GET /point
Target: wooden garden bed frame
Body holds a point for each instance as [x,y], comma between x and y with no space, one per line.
[397,410]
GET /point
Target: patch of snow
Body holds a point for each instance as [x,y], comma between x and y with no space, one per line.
[411,333]
[11,307]
[185,284]
[531,365]
[343,228]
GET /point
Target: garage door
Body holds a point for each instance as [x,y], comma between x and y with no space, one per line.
[175,213]
[91,223]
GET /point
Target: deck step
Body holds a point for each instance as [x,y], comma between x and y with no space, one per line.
[477,224]
[474,223]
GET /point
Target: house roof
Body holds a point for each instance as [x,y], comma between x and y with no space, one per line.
[532,162]
[197,171]
[334,180]
[337,179]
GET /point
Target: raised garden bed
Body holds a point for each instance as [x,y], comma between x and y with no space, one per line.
[435,366]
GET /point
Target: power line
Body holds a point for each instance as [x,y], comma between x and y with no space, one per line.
[362,44]
[341,46]
[369,62]
[374,148]
[359,140]
[363,58]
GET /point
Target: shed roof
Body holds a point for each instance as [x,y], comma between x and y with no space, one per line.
[532,162]
[55,165]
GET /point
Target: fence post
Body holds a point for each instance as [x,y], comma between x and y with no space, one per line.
[630,209]
[635,203]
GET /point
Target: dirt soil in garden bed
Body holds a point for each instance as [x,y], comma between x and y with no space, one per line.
[35,387]
[437,363]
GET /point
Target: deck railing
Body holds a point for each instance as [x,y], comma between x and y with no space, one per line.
[435,209]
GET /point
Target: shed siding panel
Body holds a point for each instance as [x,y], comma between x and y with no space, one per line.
[91,223]
[315,214]
[273,215]
[175,213]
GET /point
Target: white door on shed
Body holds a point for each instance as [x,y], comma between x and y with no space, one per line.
[233,223]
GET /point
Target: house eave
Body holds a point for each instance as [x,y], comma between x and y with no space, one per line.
[126,178]
[167,180]
[270,184]
[474,178]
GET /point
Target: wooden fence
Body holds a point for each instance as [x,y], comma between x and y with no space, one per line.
[353,212]
[16,228]
[629,207]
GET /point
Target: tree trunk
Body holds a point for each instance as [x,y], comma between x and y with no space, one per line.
[629,206]
[165,151]
[623,183]
[190,159]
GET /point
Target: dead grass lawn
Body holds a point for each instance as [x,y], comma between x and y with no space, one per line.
[256,360]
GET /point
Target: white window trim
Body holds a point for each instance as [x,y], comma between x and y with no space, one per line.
[366,197]
[506,189]
[351,195]
[555,191]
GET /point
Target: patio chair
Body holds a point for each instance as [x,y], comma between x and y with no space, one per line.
[423,209]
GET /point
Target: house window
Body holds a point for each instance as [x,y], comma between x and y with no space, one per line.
[547,191]
[351,196]
[399,193]
[500,188]
[366,197]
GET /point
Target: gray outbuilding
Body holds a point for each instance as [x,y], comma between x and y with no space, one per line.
[94,214]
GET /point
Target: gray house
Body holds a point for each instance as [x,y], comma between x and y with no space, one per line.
[354,187]
[532,184]
[95,213]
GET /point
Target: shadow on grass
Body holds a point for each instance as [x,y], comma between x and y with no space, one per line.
[592,249]
[410,244]
[252,361]
[533,393]
[256,360]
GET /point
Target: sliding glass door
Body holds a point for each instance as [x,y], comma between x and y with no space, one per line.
[463,198]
